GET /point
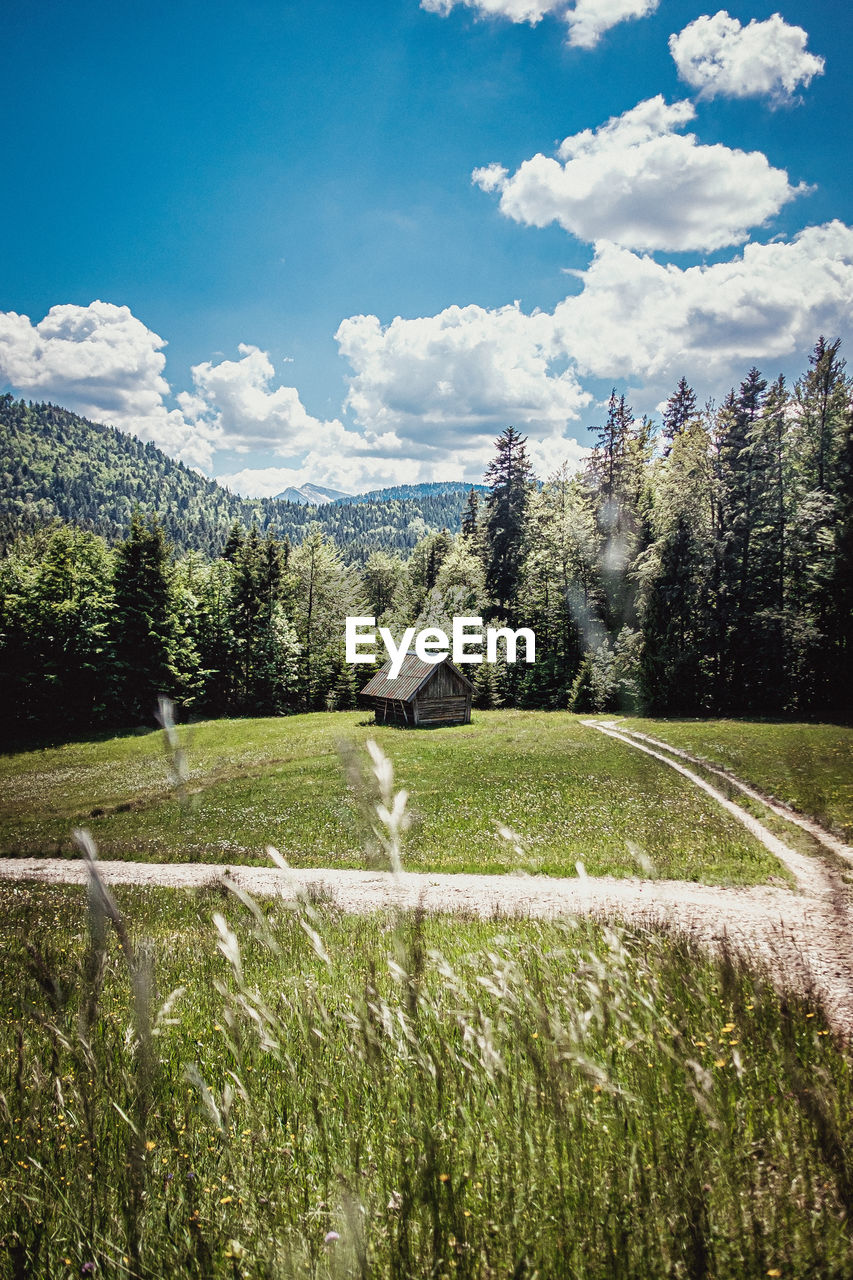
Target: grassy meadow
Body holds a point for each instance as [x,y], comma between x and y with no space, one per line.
[196,1087]
[808,766]
[569,793]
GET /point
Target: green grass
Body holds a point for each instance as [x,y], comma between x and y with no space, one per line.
[569,793]
[451,1099]
[808,766]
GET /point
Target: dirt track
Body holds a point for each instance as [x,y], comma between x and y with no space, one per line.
[803,936]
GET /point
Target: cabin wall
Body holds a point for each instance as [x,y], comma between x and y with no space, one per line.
[443,684]
[451,709]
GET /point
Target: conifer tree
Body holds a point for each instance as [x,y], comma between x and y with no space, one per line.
[510,479]
[325,592]
[680,409]
[470,515]
[740,480]
[841,585]
[142,631]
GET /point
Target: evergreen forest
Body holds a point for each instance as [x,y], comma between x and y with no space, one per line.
[56,465]
[702,569]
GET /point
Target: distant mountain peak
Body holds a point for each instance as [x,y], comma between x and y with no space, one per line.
[311,495]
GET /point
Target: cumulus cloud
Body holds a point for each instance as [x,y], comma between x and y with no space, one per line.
[445,385]
[640,183]
[587,20]
[649,323]
[430,394]
[103,363]
[249,413]
[353,475]
[466,372]
[721,58]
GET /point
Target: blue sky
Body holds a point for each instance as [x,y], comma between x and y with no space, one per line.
[251,234]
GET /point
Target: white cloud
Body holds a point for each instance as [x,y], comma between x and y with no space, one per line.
[450,382]
[639,183]
[263,482]
[444,386]
[249,414]
[649,323]
[531,11]
[430,394]
[721,58]
[351,475]
[587,20]
[103,363]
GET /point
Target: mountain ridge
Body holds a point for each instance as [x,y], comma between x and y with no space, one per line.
[55,464]
[310,494]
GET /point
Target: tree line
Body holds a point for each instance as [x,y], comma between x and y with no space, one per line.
[706,569]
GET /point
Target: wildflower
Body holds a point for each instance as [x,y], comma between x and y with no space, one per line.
[730,1026]
[226,1199]
[149,1146]
[330,1237]
[235,1250]
[774,1271]
[720,1062]
[87,1269]
[444,1177]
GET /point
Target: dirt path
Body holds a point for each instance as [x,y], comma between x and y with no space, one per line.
[814,829]
[802,936]
[810,873]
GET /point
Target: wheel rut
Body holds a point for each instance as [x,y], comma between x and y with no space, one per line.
[800,937]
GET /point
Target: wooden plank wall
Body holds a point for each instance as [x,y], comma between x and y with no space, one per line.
[444,683]
[446,710]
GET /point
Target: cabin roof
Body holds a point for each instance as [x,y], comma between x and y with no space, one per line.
[414,674]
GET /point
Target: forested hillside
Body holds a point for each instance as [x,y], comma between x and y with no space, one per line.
[429,489]
[56,464]
[705,570]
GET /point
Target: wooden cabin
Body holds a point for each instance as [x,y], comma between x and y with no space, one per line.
[424,693]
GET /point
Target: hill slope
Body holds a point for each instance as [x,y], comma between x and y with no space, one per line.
[54,464]
[429,489]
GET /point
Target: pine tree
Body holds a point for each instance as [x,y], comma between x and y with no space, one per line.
[740,480]
[822,400]
[143,622]
[380,579]
[510,479]
[234,542]
[470,514]
[823,396]
[671,675]
[325,592]
[680,409]
[675,574]
[841,586]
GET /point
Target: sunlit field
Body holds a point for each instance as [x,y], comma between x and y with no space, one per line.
[808,766]
[568,793]
[301,1094]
